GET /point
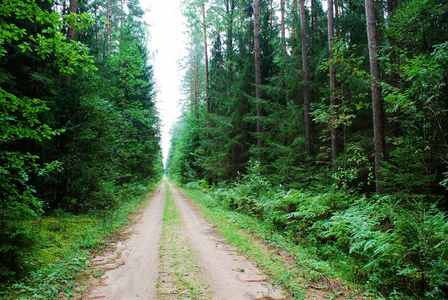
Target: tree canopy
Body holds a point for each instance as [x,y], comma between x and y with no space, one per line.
[77,112]
[325,116]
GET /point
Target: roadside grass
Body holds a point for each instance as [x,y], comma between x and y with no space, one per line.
[57,268]
[293,267]
[180,274]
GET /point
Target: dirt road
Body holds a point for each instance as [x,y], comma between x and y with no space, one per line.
[131,270]
[178,248]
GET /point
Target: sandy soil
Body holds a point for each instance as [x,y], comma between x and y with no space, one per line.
[132,271]
[231,276]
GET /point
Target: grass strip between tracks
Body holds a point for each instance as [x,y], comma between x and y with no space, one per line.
[180,274]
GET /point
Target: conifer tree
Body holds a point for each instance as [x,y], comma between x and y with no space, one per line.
[377,103]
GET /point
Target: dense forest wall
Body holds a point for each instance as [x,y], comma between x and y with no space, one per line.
[410,47]
[348,154]
[78,121]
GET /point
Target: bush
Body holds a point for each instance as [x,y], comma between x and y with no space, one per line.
[395,244]
[16,242]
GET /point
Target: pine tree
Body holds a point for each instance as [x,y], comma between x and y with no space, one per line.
[377,103]
[306,94]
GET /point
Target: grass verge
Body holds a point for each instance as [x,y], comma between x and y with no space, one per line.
[180,274]
[59,261]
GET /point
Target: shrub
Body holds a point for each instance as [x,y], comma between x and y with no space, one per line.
[395,242]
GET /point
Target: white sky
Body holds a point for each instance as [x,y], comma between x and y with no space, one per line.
[167,42]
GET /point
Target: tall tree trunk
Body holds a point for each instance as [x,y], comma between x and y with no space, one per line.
[196,78]
[377,104]
[257,54]
[207,100]
[293,31]
[306,97]
[282,20]
[312,25]
[192,76]
[336,15]
[283,41]
[71,34]
[121,13]
[108,29]
[96,32]
[312,53]
[121,25]
[333,100]
[230,9]
[72,29]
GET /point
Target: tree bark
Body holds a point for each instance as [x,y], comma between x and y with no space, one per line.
[196,78]
[336,15]
[121,14]
[306,97]
[108,28]
[282,20]
[257,54]
[192,76]
[377,104]
[333,100]
[96,32]
[207,100]
[72,29]
[230,8]
[71,34]
[293,31]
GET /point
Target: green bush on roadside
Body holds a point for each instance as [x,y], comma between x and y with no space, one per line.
[61,247]
[395,244]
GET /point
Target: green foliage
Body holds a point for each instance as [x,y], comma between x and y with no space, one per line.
[75,133]
[420,25]
[415,105]
[181,165]
[61,247]
[353,163]
[392,242]
[21,121]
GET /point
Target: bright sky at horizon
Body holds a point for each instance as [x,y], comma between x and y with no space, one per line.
[167,43]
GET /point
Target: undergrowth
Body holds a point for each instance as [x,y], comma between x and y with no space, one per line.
[294,277]
[62,245]
[394,246]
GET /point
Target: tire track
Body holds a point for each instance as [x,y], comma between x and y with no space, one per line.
[137,264]
[181,275]
[175,253]
[231,275]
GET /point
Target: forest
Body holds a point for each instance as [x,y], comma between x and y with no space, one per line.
[79,131]
[328,121]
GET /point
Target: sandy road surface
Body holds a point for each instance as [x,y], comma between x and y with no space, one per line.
[132,272]
[135,270]
[231,276]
